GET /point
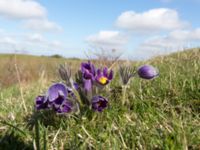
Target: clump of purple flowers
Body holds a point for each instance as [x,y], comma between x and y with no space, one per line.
[87,87]
[91,81]
[63,98]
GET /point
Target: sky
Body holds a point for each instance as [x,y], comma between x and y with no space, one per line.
[73,28]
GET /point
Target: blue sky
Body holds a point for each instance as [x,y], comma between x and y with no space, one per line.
[138,29]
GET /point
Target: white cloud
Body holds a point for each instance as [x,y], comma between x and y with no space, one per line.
[186,35]
[42,25]
[108,40]
[36,37]
[8,40]
[174,41]
[150,21]
[35,42]
[56,43]
[32,13]
[40,40]
[21,9]
[7,43]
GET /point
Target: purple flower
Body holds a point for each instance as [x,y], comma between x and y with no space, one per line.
[41,102]
[103,78]
[147,72]
[99,103]
[59,98]
[89,69]
[88,74]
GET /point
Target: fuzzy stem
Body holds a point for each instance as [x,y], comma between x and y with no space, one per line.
[37,135]
[78,97]
[124,88]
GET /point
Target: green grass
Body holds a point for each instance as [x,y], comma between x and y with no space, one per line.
[161,114]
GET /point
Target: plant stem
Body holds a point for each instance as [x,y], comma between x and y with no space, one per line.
[37,135]
[124,88]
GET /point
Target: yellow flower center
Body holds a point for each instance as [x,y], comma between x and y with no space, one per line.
[103,80]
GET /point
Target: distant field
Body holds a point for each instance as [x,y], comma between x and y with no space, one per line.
[30,68]
[163,114]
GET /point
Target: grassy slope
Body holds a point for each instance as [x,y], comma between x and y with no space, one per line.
[161,114]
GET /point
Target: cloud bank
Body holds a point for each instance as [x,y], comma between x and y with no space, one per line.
[21,9]
[161,29]
[32,14]
[32,18]
[149,21]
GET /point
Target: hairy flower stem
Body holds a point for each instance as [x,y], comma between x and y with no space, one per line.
[37,135]
[124,89]
[89,95]
[78,97]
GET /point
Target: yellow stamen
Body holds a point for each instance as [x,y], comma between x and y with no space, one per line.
[103,80]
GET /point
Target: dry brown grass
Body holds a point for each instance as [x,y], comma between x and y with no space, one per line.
[30,68]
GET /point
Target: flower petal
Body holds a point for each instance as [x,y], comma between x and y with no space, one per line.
[76,86]
[66,107]
[88,85]
[56,90]
[98,72]
[110,77]
[87,75]
[41,102]
[105,72]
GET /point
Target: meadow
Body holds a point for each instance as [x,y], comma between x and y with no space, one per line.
[161,114]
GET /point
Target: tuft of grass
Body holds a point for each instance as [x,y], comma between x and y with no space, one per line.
[163,113]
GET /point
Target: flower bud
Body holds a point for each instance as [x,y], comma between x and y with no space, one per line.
[147,72]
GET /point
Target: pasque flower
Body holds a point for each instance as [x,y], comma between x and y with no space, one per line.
[89,67]
[88,73]
[59,98]
[147,72]
[104,77]
[99,103]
